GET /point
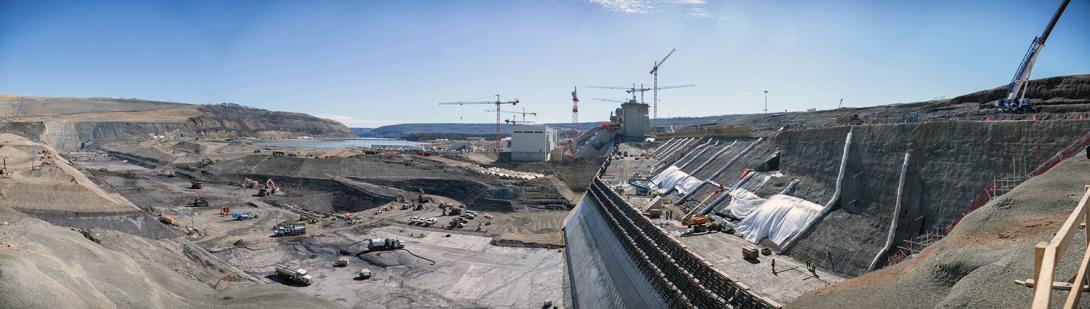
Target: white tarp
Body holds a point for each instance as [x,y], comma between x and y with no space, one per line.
[668,178]
[687,184]
[778,218]
[743,203]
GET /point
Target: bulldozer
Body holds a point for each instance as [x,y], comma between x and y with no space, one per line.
[198,202]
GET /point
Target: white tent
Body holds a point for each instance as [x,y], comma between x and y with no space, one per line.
[778,218]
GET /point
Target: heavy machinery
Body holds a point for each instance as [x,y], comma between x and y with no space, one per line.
[642,185]
[198,202]
[384,244]
[270,189]
[297,275]
[341,262]
[168,219]
[1016,101]
[250,183]
[196,185]
[365,274]
[289,230]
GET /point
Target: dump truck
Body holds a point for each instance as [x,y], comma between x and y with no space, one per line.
[297,275]
[382,244]
[289,230]
[365,273]
[341,262]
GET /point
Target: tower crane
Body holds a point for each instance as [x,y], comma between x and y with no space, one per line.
[611,100]
[655,73]
[498,102]
[523,113]
[514,120]
[1016,91]
[633,90]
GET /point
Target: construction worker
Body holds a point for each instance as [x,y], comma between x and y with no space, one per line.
[773,266]
[811,266]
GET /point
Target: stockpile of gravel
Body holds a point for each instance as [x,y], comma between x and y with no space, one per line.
[46,266]
[976,265]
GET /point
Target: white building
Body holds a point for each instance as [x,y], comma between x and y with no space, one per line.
[532,142]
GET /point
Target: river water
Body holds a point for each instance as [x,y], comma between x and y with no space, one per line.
[339,143]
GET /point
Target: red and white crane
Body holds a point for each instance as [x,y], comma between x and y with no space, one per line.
[498,102]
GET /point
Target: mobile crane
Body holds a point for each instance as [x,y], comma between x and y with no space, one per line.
[1016,101]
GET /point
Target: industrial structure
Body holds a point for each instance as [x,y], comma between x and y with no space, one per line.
[532,142]
[632,120]
[1016,91]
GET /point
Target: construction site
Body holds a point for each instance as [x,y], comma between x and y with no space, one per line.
[981,200]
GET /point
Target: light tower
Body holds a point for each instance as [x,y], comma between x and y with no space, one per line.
[766,101]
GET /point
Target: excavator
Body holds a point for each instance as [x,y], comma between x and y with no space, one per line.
[270,189]
[1016,101]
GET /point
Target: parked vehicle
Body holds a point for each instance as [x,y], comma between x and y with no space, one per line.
[289,230]
[382,244]
[365,273]
[297,275]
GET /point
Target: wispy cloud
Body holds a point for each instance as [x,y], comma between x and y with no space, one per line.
[700,13]
[689,1]
[352,122]
[626,6]
[742,94]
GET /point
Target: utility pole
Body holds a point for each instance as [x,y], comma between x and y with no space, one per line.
[766,101]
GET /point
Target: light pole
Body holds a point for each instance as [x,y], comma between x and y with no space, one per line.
[766,101]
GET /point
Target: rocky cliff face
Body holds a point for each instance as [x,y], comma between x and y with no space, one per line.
[223,120]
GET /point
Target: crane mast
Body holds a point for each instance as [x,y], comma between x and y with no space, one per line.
[655,73]
[1016,91]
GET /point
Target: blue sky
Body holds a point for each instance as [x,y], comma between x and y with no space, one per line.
[369,63]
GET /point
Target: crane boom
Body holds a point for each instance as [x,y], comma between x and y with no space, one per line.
[1016,91]
[498,103]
